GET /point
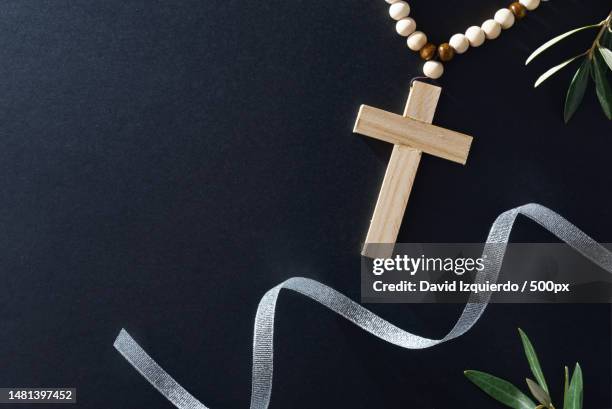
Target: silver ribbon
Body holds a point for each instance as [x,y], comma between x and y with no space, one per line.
[263,340]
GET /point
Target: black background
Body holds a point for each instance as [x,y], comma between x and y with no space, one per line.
[165,163]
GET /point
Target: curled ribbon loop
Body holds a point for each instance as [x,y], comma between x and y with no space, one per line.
[263,340]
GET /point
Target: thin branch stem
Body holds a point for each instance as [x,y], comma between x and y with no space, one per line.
[605,25]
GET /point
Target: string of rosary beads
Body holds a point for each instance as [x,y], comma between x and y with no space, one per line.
[474,36]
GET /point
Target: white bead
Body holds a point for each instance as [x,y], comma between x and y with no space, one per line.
[405,26]
[530,4]
[399,10]
[475,36]
[492,29]
[391,1]
[416,40]
[460,43]
[433,69]
[505,18]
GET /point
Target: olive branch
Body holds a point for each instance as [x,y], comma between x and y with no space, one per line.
[508,394]
[596,64]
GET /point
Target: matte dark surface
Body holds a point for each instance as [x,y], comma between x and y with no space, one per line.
[163,164]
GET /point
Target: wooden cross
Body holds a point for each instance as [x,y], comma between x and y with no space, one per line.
[411,135]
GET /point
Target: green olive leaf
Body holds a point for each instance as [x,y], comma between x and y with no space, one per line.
[554,70]
[602,85]
[607,56]
[566,385]
[576,90]
[573,399]
[606,40]
[500,390]
[555,40]
[532,358]
[540,394]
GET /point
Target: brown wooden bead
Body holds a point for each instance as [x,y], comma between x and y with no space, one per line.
[446,52]
[518,10]
[428,52]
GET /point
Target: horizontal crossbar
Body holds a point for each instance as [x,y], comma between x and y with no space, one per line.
[399,130]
